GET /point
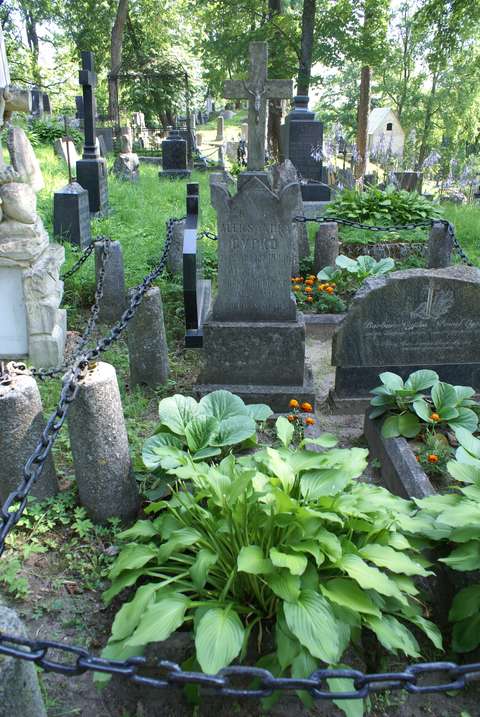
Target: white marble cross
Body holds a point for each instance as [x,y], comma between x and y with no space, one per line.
[257,89]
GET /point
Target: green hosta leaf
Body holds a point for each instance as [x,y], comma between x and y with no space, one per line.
[421,380]
[312,621]
[344,262]
[464,393]
[127,578]
[423,410]
[133,556]
[390,427]
[464,472]
[314,484]
[288,646]
[466,419]
[368,577]
[329,543]
[443,396]
[140,529]
[465,557]
[129,615]
[468,442]
[351,708]
[218,639]
[177,541]
[465,603]
[386,557]
[408,425]
[160,620]
[118,650]
[466,634]
[326,440]
[259,411]
[204,453]
[176,412]
[311,547]
[222,405]
[346,593]
[285,430]
[303,666]
[199,570]
[200,432]
[284,584]
[393,635]
[391,380]
[252,560]
[280,469]
[295,563]
[465,513]
[430,630]
[383,266]
[234,430]
[156,448]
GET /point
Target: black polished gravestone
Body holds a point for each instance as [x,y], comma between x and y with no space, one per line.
[71,209]
[197,291]
[174,156]
[301,143]
[91,169]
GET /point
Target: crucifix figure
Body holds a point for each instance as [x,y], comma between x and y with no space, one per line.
[257,89]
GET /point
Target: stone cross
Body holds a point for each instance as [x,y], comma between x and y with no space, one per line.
[88,80]
[257,89]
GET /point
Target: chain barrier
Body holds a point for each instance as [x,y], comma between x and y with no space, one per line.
[80,261]
[12,509]
[208,235]
[230,681]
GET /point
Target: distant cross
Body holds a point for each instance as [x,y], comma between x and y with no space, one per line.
[88,80]
[257,89]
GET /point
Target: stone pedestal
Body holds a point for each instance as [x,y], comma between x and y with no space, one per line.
[92,176]
[71,215]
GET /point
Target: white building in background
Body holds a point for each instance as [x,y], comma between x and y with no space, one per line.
[385,130]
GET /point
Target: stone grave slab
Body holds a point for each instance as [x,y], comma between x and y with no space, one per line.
[407,320]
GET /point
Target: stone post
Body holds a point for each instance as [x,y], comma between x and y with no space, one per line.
[326,246]
[22,423]
[20,694]
[199,139]
[113,303]
[175,255]
[440,247]
[147,342]
[220,129]
[99,443]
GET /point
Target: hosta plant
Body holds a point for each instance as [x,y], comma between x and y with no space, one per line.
[361,268]
[283,546]
[411,410]
[385,207]
[454,519]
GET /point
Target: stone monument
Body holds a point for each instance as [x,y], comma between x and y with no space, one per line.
[404,321]
[91,169]
[254,338]
[127,163]
[174,156]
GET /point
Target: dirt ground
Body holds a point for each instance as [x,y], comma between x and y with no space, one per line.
[56,611]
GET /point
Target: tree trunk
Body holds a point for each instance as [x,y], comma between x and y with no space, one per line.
[305,65]
[362,121]
[116,48]
[33,42]
[427,125]
[274,106]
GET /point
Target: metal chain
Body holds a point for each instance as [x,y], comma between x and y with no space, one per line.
[80,262]
[230,681]
[12,509]
[208,235]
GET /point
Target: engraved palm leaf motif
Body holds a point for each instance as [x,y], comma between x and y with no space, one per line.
[437,304]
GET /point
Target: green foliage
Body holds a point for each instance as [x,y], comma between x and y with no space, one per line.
[46,132]
[364,267]
[411,411]
[283,539]
[386,207]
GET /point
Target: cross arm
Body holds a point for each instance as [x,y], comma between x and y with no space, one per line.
[279,89]
[235,90]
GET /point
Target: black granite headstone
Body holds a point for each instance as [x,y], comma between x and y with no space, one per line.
[91,169]
[107,133]
[47,108]
[71,215]
[37,102]
[174,156]
[302,140]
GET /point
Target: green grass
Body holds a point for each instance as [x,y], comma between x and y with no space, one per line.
[466,219]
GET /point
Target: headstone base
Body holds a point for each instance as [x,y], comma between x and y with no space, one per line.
[174,174]
[314,209]
[92,176]
[315,193]
[350,405]
[277,397]
[71,215]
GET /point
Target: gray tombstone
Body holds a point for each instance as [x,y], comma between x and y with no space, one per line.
[220,129]
[147,342]
[401,322]
[174,157]
[65,148]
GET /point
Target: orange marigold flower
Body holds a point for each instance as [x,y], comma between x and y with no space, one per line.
[432,458]
[329,289]
[292,418]
[300,278]
[307,407]
[312,276]
[294,403]
[310,421]
[308,289]
[435,417]
[309,299]
[309,282]
[297,287]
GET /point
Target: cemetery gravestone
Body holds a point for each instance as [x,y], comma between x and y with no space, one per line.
[420,318]
[91,169]
[127,163]
[220,129]
[37,103]
[47,108]
[66,150]
[174,156]
[410,181]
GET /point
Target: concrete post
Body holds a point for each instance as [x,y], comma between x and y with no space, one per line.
[220,129]
[21,421]
[326,246]
[175,255]
[20,694]
[440,247]
[113,303]
[99,443]
[147,342]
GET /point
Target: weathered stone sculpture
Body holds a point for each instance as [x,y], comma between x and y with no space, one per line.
[127,163]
